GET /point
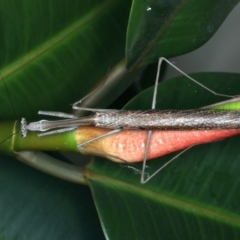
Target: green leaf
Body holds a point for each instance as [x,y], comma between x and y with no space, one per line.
[34,205]
[195,197]
[160,28]
[52,53]
[50,59]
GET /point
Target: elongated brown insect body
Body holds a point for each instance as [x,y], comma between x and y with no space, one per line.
[169,119]
[195,119]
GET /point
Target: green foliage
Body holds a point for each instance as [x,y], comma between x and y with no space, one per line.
[171,28]
[52,53]
[195,197]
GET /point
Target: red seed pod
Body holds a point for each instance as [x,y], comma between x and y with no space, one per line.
[129,145]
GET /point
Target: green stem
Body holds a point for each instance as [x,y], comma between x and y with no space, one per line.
[12,141]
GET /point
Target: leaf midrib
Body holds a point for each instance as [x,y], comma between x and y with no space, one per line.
[187,205]
[53,42]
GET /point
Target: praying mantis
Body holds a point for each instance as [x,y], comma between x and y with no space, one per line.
[148,120]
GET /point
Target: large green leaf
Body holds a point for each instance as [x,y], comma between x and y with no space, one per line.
[52,53]
[50,59]
[196,197]
[170,28]
[34,205]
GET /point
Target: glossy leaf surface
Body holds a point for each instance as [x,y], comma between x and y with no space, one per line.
[34,205]
[47,59]
[170,28]
[50,55]
[188,198]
